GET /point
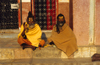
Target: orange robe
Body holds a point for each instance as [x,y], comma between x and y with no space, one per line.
[33,36]
[65,40]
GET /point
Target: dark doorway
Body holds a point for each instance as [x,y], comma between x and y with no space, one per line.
[8,16]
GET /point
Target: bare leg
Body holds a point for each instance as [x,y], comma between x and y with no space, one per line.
[27,46]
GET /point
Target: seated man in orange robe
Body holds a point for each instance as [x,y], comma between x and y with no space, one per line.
[30,34]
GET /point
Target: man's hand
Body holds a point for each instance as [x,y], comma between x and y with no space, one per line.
[51,43]
[25,26]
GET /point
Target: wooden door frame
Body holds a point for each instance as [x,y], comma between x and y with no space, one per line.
[71,14]
[19,13]
[32,5]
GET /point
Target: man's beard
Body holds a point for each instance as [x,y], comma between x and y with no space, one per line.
[60,24]
[31,25]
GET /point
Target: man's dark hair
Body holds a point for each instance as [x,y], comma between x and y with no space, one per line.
[57,27]
[30,15]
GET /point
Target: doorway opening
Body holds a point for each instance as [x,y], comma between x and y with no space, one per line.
[45,13]
[8,16]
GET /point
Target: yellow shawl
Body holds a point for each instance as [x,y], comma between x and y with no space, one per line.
[33,35]
[65,40]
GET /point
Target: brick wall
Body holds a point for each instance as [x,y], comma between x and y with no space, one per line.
[26,7]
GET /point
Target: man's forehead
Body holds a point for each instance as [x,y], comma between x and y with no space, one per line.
[30,18]
[61,17]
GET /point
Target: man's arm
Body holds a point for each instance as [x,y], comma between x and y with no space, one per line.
[51,43]
[25,27]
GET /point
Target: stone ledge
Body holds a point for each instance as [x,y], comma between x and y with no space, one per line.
[9,31]
[10,49]
[14,34]
[19,53]
[18,30]
[46,52]
[52,61]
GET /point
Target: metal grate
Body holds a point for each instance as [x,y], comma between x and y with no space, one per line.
[8,16]
[51,14]
[45,13]
[40,13]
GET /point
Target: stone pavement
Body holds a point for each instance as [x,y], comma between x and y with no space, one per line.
[8,43]
[10,49]
[77,61]
[12,54]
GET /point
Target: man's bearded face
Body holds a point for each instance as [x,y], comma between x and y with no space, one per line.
[31,23]
[60,21]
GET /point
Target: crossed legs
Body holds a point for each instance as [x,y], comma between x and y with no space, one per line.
[27,44]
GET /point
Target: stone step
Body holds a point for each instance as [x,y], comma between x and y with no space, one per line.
[10,49]
[52,61]
[14,33]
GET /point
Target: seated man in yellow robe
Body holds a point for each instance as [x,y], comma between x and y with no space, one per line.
[30,34]
[63,37]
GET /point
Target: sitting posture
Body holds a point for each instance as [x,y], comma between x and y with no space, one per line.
[63,37]
[30,34]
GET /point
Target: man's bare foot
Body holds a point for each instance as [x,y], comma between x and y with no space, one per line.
[33,48]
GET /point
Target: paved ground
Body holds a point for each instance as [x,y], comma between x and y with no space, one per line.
[9,43]
[78,61]
[12,54]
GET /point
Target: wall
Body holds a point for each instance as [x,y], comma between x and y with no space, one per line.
[86,22]
[81,21]
[26,7]
[97,22]
[86,19]
[64,9]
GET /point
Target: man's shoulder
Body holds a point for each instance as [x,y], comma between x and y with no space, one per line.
[36,24]
[54,26]
[24,23]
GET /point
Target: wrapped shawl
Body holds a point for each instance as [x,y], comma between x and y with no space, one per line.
[65,40]
[33,35]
